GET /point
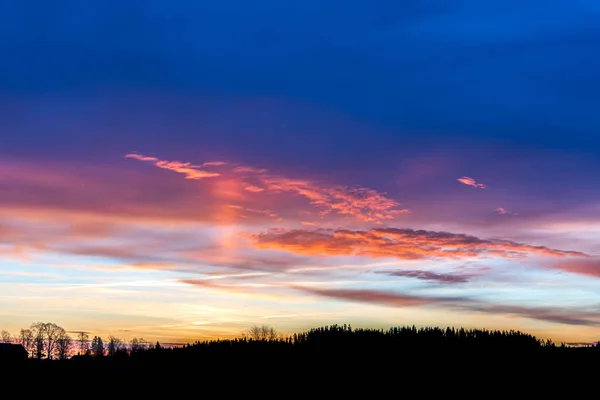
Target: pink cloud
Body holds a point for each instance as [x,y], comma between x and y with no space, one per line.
[401,300]
[85,194]
[370,296]
[366,205]
[255,189]
[588,267]
[471,182]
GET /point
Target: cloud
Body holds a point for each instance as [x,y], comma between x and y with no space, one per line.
[255,189]
[369,296]
[428,276]
[407,244]
[471,182]
[213,163]
[190,171]
[588,267]
[309,223]
[105,194]
[391,299]
[101,195]
[245,169]
[248,290]
[366,205]
[503,211]
[264,211]
[551,314]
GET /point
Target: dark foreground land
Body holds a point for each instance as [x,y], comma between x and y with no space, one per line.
[340,362]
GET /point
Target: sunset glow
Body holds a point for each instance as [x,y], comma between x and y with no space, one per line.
[173,191]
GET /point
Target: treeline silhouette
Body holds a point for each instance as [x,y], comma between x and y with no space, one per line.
[438,358]
[335,340]
[345,339]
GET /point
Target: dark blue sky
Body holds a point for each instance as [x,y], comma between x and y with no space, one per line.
[494,68]
[321,85]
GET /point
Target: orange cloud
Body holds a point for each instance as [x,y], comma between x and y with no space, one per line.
[405,244]
[366,205]
[255,189]
[190,171]
[471,182]
[308,223]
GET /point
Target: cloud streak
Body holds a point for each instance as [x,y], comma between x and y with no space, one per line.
[503,211]
[249,290]
[364,204]
[587,267]
[471,182]
[428,276]
[367,205]
[406,244]
[190,171]
[391,299]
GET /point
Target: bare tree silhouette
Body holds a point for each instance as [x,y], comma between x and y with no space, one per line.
[138,344]
[261,333]
[63,345]
[26,338]
[83,342]
[5,337]
[46,335]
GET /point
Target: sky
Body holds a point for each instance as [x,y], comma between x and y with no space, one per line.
[185,170]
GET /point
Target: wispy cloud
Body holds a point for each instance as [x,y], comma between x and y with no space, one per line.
[428,276]
[405,244]
[248,290]
[503,211]
[309,223]
[190,171]
[369,296]
[364,204]
[367,205]
[392,299]
[588,267]
[255,189]
[471,182]
[263,211]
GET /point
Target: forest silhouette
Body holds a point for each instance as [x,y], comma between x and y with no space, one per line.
[433,359]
